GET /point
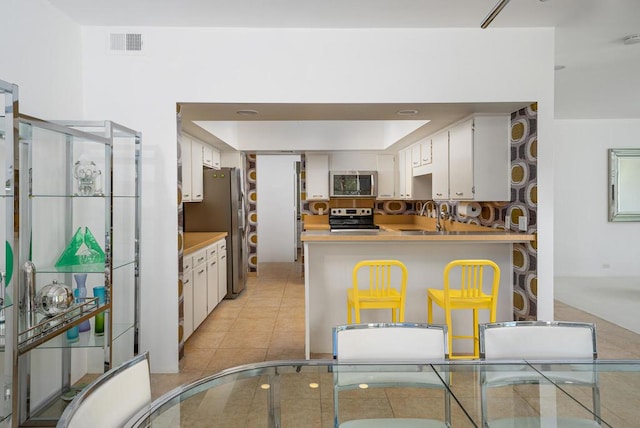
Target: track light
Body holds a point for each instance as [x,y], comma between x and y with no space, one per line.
[494,12]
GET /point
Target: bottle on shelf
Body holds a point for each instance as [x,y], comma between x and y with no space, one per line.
[80,294]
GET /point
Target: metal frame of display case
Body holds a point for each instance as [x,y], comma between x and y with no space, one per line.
[10,112]
[48,333]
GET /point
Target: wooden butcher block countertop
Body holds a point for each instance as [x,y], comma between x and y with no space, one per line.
[194,241]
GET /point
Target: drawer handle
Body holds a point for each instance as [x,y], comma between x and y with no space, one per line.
[201,272]
[200,259]
[186,281]
[459,193]
[222,257]
[439,194]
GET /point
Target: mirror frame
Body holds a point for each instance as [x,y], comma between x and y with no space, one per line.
[619,191]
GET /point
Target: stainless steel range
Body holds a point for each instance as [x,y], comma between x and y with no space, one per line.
[351,219]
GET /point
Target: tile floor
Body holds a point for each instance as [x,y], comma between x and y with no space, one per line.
[266,322]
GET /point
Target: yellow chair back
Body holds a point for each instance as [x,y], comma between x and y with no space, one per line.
[382,292]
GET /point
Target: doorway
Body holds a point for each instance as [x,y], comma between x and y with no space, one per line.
[277,207]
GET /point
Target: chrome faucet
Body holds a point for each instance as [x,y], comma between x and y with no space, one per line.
[442,213]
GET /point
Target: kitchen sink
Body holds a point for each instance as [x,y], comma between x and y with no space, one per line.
[422,232]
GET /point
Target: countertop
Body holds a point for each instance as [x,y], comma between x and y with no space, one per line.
[194,241]
[410,228]
[416,235]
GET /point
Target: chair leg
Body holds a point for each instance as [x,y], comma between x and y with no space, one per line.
[447,314]
[429,310]
[393,315]
[349,312]
[357,311]
[476,335]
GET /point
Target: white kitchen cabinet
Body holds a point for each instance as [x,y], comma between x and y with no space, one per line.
[386,176]
[222,269]
[405,173]
[317,176]
[478,161]
[425,152]
[210,156]
[185,147]
[440,153]
[415,155]
[212,277]
[199,288]
[187,292]
[197,189]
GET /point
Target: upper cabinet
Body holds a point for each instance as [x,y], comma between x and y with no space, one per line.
[210,157]
[195,156]
[317,176]
[197,189]
[471,160]
[386,173]
[405,172]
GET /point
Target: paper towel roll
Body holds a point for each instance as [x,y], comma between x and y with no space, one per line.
[469,209]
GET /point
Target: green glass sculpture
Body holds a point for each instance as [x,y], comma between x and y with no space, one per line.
[82,250]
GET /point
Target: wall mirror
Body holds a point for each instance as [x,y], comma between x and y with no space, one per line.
[624,184]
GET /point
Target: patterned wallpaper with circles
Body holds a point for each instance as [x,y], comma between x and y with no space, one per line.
[252,211]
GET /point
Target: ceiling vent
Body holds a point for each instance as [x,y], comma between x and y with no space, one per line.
[125,42]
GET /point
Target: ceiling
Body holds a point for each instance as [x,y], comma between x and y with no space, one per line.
[599,80]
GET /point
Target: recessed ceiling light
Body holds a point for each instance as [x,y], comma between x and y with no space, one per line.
[408,112]
[247,112]
[559,67]
[632,39]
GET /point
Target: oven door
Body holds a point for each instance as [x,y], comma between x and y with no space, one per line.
[353,184]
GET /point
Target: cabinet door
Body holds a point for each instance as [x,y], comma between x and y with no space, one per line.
[425,152]
[408,175]
[402,175]
[215,158]
[199,294]
[386,175]
[207,155]
[222,270]
[415,155]
[317,177]
[212,283]
[185,147]
[187,303]
[196,171]
[461,161]
[440,155]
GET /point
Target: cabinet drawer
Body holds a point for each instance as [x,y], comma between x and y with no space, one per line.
[199,257]
[212,251]
[222,246]
[187,263]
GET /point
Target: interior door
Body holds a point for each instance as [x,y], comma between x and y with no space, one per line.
[276,207]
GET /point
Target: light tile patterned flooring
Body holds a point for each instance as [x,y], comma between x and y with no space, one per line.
[266,322]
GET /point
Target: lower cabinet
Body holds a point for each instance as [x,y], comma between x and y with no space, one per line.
[212,280]
[204,282]
[199,288]
[222,269]
[187,295]
[187,292]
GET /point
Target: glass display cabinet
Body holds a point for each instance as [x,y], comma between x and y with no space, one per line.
[77,250]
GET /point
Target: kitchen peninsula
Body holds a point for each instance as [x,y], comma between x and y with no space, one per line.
[330,258]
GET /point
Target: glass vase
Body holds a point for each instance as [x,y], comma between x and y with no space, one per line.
[80,294]
[99,292]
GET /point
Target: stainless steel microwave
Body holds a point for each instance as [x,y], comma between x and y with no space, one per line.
[353,184]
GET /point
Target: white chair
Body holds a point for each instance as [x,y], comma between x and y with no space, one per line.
[112,399]
[407,343]
[538,341]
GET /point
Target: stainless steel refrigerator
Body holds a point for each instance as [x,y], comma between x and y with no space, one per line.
[222,210]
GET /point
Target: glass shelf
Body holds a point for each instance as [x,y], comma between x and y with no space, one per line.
[86,268]
[46,328]
[86,339]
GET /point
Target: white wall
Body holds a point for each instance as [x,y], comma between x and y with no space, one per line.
[300,65]
[585,241]
[41,53]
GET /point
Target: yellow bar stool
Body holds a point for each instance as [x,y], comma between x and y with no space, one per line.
[469,294]
[382,292]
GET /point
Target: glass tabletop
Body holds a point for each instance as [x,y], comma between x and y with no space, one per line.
[324,393]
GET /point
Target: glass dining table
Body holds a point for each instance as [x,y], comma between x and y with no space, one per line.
[325,393]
